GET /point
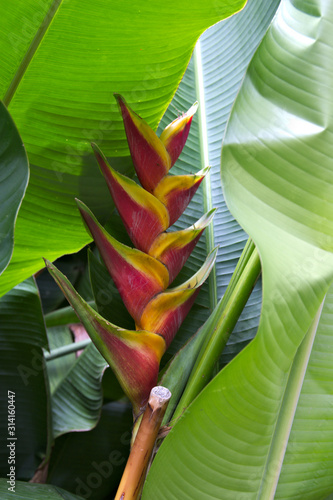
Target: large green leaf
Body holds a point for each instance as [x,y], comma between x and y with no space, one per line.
[278,180]
[107,297]
[69,58]
[309,453]
[28,491]
[23,373]
[213,78]
[307,469]
[14,174]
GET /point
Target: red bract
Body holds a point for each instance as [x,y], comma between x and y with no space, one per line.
[142,274]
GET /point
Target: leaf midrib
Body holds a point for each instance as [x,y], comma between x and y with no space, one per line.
[203,144]
[288,407]
[31,51]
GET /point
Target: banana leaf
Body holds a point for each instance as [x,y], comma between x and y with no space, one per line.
[61,63]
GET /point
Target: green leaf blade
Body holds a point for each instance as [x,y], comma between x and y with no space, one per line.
[307,466]
[77,401]
[231,441]
[78,459]
[22,337]
[74,104]
[14,175]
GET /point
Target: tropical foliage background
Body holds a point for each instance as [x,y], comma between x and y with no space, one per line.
[263,427]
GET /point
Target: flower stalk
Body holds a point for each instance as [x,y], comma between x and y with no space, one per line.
[135,471]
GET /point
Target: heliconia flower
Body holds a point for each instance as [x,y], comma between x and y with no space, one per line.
[174,248]
[165,313]
[175,134]
[138,276]
[142,274]
[176,192]
[133,355]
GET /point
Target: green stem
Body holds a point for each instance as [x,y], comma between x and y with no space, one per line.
[231,306]
[66,349]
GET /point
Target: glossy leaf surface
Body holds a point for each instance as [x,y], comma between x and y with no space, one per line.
[14,175]
[58,368]
[24,379]
[77,400]
[278,178]
[213,78]
[61,101]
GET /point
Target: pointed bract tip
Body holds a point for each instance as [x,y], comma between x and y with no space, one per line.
[201,275]
[120,100]
[204,171]
[98,152]
[193,109]
[81,205]
[118,96]
[47,262]
[205,220]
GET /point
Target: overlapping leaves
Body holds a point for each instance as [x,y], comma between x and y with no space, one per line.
[62,61]
[277,172]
